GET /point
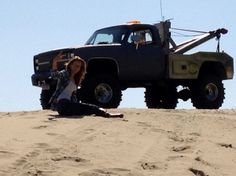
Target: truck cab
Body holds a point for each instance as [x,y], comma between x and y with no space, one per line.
[136,50]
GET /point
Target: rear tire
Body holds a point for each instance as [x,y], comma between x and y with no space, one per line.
[161,97]
[208,93]
[101,90]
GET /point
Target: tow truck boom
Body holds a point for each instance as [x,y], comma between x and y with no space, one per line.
[188,45]
[165,34]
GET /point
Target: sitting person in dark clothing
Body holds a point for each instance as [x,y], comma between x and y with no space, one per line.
[64,99]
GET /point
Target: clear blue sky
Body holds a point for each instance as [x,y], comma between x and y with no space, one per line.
[29,27]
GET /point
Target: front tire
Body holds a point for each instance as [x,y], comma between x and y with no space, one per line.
[208,93]
[101,90]
[45,97]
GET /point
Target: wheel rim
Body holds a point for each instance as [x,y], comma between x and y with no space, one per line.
[103,93]
[212,92]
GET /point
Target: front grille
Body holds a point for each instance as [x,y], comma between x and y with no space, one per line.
[41,64]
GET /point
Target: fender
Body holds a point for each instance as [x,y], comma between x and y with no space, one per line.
[190,66]
[103,65]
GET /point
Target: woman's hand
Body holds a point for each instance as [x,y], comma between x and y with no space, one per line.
[56,59]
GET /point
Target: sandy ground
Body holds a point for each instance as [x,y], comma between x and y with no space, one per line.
[144,143]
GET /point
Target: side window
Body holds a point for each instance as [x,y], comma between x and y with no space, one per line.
[148,37]
[142,37]
[103,39]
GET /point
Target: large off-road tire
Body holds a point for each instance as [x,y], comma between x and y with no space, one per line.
[161,97]
[101,90]
[208,93]
[45,97]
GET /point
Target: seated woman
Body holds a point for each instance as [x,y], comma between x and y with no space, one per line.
[64,99]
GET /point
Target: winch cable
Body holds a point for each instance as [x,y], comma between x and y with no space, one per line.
[195,35]
[189,30]
[218,43]
[178,34]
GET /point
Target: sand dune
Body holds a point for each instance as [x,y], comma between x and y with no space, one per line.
[144,143]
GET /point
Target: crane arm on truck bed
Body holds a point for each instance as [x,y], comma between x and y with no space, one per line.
[171,47]
[190,44]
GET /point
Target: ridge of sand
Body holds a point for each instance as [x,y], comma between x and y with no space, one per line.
[146,142]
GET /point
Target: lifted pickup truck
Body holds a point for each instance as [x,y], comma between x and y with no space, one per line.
[142,55]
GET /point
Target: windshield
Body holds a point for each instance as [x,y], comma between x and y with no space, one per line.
[106,36]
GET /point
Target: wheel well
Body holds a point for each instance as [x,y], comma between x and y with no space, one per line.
[214,68]
[96,66]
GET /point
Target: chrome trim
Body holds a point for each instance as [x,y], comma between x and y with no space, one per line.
[43,63]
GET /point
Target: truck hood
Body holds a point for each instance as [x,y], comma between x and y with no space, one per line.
[42,61]
[71,49]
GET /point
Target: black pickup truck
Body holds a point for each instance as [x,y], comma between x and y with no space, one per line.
[139,55]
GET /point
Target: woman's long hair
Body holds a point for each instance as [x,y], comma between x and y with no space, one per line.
[78,78]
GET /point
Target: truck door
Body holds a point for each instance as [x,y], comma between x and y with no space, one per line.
[144,56]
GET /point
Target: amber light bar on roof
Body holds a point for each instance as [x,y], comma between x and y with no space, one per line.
[134,22]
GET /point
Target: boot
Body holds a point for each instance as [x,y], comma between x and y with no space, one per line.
[110,115]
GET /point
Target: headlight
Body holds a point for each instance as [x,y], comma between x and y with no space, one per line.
[229,72]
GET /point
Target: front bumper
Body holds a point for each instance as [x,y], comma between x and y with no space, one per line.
[41,80]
